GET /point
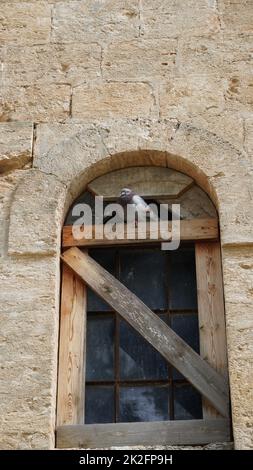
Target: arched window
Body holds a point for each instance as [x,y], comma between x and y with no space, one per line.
[142,357]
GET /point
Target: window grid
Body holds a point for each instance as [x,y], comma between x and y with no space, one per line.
[168,315]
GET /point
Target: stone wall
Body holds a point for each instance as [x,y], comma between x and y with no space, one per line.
[89,86]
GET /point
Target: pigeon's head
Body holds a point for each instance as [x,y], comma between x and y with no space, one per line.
[126,196]
[126,192]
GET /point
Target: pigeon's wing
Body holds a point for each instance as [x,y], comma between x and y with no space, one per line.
[139,201]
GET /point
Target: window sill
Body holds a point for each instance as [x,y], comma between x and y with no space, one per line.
[190,432]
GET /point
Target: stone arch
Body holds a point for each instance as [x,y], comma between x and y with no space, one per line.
[61,172]
[68,156]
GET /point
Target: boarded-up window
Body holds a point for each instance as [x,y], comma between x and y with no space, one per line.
[142,337]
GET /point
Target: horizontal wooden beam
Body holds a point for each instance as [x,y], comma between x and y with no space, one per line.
[192,230]
[188,432]
[176,351]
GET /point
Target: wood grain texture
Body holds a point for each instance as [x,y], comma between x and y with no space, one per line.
[211,311]
[198,229]
[207,381]
[70,407]
[152,433]
[147,181]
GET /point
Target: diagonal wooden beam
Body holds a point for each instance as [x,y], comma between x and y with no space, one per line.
[202,376]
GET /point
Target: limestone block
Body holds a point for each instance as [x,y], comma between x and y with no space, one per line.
[71,149]
[25,23]
[191,95]
[139,60]
[55,63]
[228,125]
[215,164]
[238,278]
[239,92]
[8,184]
[35,103]
[36,214]
[238,290]
[241,381]
[129,100]
[77,148]
[90,21]
[202,56]
[29,327]
[219,56]
[145,141]
[25,440]
[236,209]
[236,15]
[16,140]
[249,137]
[174,18]
[237,52]
[225,168]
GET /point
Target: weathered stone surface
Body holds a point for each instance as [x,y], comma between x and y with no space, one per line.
[129,100]
[191,95]
[229,126]
[219,56]
[51,63]
[91,21]
[239,288]
[239,91]
[225,168]
[236,15]
[25,23]
[29,326]
[35,222]
[166,83]
[16,141]
[35,103]
[212,156]
[81,140]
[8,184]
[170,19]
[139,60]
[249,137]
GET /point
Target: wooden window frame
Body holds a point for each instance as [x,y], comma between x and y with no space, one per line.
[215,425]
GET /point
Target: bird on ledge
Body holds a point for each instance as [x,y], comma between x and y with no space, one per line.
[142,209]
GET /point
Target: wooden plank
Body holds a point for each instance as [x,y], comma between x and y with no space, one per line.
[196,229]
[211,384]
[70,408]
[148,181]
[211,311]
[146,434]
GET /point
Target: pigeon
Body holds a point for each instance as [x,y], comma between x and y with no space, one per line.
[142,209]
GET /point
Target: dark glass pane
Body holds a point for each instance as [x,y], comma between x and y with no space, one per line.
[138,359]
[106,258]
[100,348]
[186,326]
[187,402]
[183,291]
[89,199]
[147,403]
[85,198]
[99,404]
[145,273]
